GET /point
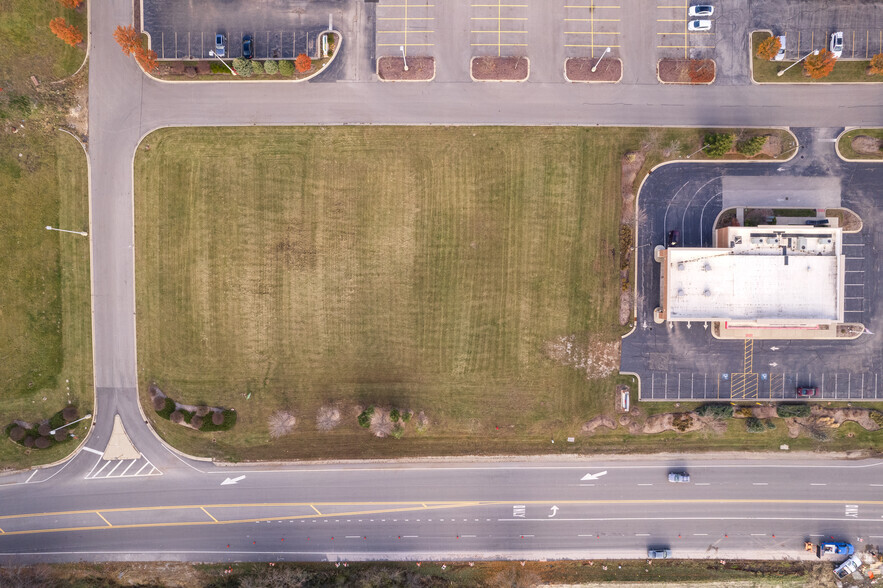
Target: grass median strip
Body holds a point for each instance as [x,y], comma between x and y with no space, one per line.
[845,70]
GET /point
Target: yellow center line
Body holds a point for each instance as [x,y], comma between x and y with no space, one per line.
[498,18]
[103,519]
[2,532]
[588,33]
[592,6]
[208,513]
[589,19]
[400,32]
[590,46]
[500,31]
[408,45]
[316,509]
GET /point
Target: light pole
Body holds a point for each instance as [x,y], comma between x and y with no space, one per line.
[405,59]
[698,150]
[595,67]
[816,52]
[232,71]
[88,416]
[83,233]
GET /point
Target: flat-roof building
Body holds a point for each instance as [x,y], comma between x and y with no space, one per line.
[788,276]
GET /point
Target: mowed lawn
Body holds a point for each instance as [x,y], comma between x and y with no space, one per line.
[45,328]
[419,268]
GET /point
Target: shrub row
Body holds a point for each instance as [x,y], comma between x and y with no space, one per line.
[756,425]
[721,411]
[205,419]
[38,436]
[793,410]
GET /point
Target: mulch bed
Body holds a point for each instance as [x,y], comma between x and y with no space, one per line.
[579,69]
[500,68]
[686,71]
[392,69]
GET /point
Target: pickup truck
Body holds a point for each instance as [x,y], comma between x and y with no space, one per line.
[849,566]
[837,548]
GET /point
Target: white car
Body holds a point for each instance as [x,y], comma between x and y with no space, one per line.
[837,44]
[701,10]
[699,25]
[781,54]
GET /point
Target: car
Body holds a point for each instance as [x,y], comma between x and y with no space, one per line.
[781,54]
[674,238]
[701,10]
[679,477]
[807,392]
[837,44]
[658,553]
[220,44]
[699,25]
[817,222]
[247,47]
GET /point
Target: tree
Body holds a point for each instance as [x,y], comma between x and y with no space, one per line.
[242,67]
[257,67]
[877,64]
[718,144]
[146,58]
[70,3]
[128,39]
[286,68]
[270,67]
[303,63]
[67,33]
[752,146]
[768,48]
[819,66]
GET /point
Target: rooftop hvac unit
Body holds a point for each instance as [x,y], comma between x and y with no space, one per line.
[681,266]
[706,267]
[706,293]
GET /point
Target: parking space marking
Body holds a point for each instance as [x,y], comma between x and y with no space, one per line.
[511,21]
[592,32]
[685,44]
[400,19]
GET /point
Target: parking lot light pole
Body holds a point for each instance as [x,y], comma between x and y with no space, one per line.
[698,150]
[405,59]
[83,233]
[781,73]
[88,416]
[213,54]
[595,67]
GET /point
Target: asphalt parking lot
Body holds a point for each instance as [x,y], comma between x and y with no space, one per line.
[683,361]
[407,24]
[808,24]
[592,26]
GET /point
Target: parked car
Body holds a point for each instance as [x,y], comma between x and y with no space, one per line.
[220,44]
[837,44]
[699,25]
[674,238]
[701,10]
[817,222]
[781,54]
[247,47]
[679,477]
[807,392]
[658,553]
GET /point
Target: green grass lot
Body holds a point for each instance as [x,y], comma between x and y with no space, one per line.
[845,144]
[429,276]
[844,70]
[30,49]
[45,320]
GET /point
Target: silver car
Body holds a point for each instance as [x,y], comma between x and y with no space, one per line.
[701,10]
[699,25]
[220,44]
[781,54]
[837,44]
[679,477]
[658,553]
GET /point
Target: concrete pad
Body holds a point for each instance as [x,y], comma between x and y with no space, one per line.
[781,192]
[119,446]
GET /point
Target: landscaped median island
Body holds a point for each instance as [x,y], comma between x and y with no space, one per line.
[499,69]
[579,69]
[419,69]
[686,71]
[457,291]
[822,68]
[861,144]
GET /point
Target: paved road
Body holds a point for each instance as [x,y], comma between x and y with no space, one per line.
[455,509]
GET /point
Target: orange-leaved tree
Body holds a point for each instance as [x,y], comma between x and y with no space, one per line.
[128,38]
[67,33]
[877,64]
[820,65]
[303,63]
[146,58]
[768,48]
[70,3]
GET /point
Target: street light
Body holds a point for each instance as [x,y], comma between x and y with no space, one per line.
[816,52]
[88,416]
[232,71]
[405,59]
[83,233]
[595,67]
[698,150]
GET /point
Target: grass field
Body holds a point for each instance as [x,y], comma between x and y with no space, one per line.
[30,49]
[45,320]
[844,71]
[431,276]
[845,144]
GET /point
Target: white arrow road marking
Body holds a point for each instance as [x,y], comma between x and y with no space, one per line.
[774,348]
[554,510]
[232,480]
[774,364]
[593,476]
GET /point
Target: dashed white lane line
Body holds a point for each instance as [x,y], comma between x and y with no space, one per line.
[409,536]
[353,537]
[758,534]
[818,484]
[702,484]
[760,484]
[645,484]
[468,536]
[642,534]
[700,534]
[95,451]
[877,485]
[585,535]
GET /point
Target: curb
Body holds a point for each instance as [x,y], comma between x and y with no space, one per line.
[474,79]
[688,83]
[840,155]
[594,81]
[377,71]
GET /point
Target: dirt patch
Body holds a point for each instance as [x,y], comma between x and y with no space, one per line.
[579,69]
[327,417]
[866,144]
[592,425]
[597,359]
[686,71]
[508,69]
[793,427]
[392,69]
[682,422]
[773,146]
[838,416]
[764,412]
